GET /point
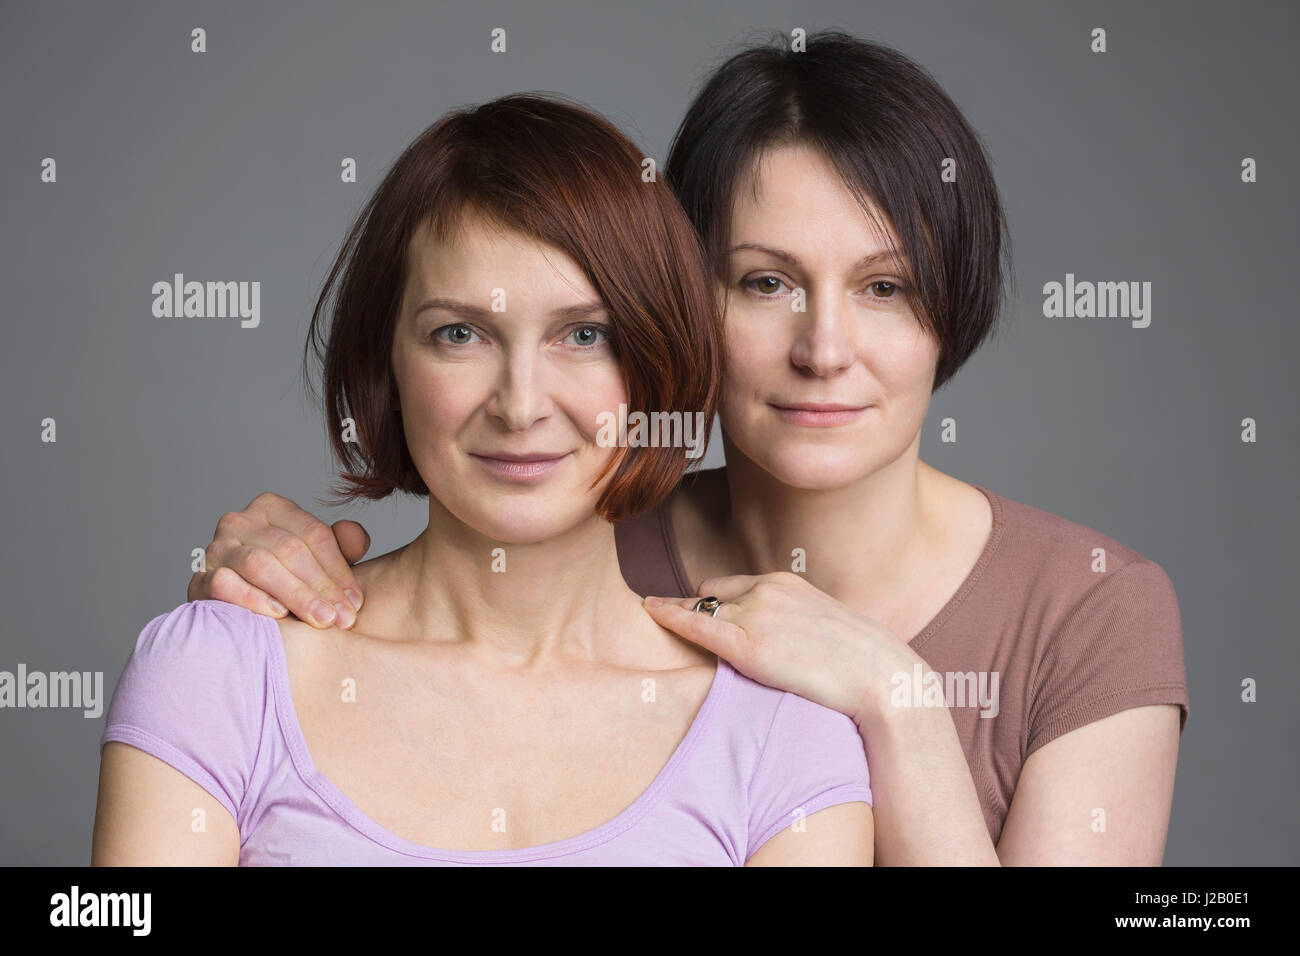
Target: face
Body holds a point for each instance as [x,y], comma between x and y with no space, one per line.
[822,397]
[503,361]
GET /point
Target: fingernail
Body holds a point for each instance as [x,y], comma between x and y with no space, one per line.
[276,606]
[354,597]
[347,616]
[653,601]
[321,613]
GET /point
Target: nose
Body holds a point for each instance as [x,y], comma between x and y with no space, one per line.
[822,346]
[521,396]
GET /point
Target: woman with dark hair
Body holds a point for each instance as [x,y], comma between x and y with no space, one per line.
[502,698]
[1017,678]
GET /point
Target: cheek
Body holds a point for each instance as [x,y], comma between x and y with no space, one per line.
[757,356]
[902,360]
[592,395]
[436,402]
[753,357]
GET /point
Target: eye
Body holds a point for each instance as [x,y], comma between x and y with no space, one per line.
[587,336]
[458,334]
[768,285]
[883,289]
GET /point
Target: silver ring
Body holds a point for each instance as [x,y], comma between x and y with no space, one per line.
[709,604]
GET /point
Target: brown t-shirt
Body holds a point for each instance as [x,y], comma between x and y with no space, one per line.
[1066,644]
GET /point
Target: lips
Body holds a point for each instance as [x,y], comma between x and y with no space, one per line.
[819,414]
[520,468]
[520,456]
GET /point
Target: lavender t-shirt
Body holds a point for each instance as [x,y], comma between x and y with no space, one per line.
[207,691]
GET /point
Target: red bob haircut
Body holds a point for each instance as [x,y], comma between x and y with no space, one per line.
[563,175]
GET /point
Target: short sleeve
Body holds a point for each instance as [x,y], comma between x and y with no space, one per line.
[193,694]
[812,759]
[1122,647]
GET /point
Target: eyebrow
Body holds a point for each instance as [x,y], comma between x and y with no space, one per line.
[467,311]
[865,262]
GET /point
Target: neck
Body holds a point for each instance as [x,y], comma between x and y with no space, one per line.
[524,605]
[861,541]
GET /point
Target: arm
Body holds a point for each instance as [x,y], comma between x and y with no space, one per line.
[146,815]
[781,631]
[274,551]
[181,739]
[1103,729]
[837,836]
[925,799]
[1122,765]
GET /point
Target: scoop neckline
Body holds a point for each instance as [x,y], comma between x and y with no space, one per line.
[921,636]
[343,805]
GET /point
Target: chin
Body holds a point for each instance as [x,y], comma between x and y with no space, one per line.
[513,519]
[815,466]
[821,475]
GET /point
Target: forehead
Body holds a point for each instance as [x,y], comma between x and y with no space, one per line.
[794,193]
[477,255]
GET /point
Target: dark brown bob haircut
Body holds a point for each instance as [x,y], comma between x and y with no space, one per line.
[887,127]
[554,170]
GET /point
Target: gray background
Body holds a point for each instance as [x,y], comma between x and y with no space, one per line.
[225,166]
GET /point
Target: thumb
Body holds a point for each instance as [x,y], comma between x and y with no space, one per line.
[353,540]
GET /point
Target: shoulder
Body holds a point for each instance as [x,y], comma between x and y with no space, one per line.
[204,616]
[207,632]
[790,735]
[1072,561]
[195,694]
[761,701]
[1103,630]
[796,758]
[198,655]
